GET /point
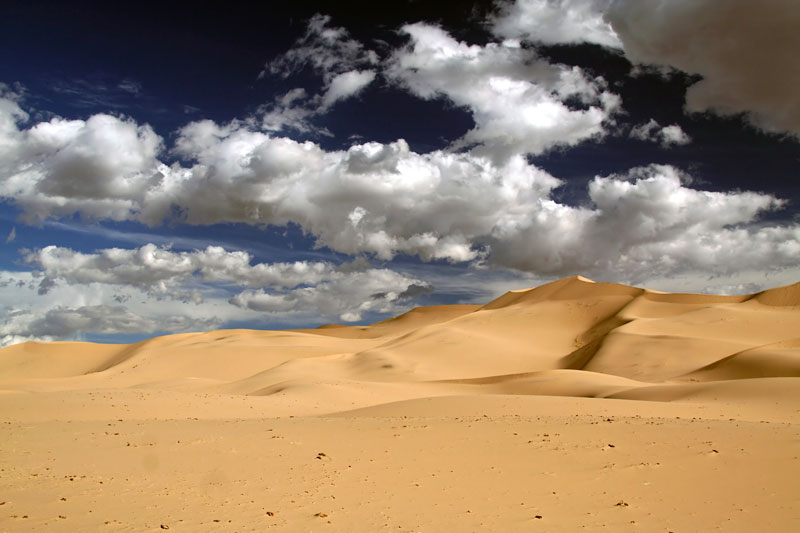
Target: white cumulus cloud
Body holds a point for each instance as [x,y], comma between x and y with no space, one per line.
[159,270]
[667,136]
[344,64]
[377,198]
[325,49]
[346,297]
[68,312]
[519,102]
[64,322]
[373,198]
[649,222]
[100,167]
[345,85]
[320,288]
[556,22]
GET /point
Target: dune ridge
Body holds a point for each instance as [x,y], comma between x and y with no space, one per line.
[606,335]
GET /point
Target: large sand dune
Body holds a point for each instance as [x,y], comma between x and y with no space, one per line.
[571,405]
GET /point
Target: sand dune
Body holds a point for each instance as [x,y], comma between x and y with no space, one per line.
[545,372]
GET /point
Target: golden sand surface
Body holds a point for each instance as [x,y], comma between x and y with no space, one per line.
[573,405]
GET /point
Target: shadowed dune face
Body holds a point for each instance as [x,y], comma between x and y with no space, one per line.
[570,337]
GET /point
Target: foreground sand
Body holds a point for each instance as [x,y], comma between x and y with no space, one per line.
[572,405]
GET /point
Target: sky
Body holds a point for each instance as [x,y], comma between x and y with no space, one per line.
[169,167]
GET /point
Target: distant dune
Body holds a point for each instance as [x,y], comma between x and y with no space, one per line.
[609,336]
[549,374]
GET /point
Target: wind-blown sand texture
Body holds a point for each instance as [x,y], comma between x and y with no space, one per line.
[572,405]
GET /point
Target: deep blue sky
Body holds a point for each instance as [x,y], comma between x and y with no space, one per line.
[164,66]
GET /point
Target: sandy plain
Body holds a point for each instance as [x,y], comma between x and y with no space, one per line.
[571,406]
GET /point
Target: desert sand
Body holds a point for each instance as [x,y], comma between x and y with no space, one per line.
[573,405]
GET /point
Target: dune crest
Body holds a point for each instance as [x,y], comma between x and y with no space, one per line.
[600,332]
[780,296]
